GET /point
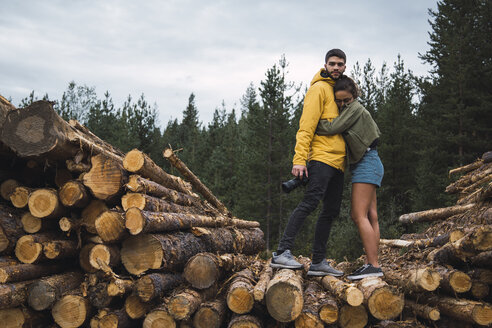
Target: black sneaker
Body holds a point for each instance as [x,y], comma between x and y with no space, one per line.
[323,268]
[365,271]
[285,261]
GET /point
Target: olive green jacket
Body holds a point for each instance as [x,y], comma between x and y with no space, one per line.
[357,128]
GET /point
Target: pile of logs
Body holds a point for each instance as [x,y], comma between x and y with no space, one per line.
[93,237]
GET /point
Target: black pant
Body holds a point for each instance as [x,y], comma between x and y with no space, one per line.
[325,183]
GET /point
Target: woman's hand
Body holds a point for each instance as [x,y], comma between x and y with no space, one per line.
[299,171]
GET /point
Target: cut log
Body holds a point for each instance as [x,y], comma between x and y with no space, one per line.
[89,214]
[205,269]
[94,322]
[284,296]
[469,179]
[211,314]
[32,224]
[46,291]
[453,281]
[137,162]
[159,317]
[21,272]
[469,311]
[422,243]
[154,204]
[245,321]
[184,304]
[29,248]
[60,249]
[352,316]
[434,214]
[195,182]
[103,256]
[14,294]
[106,178]
[479,290]
[413,278]
[347,292]
[171,251]
[382,300]
[44,203]
[20,196]
[156,285]
[421,310]
[97,292]
[22,317]
[120,287]
[74,194]
[67,224]
[10,229]
[138,221]
[466,168]
[263,280]
[7,188]
[483,275]
[84,258]
[71,311]
[240,297]
[137,184]
[316,300]
[135,308]
[482,260]
[110,226]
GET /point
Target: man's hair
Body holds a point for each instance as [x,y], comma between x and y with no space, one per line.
[337,53]
[345,83]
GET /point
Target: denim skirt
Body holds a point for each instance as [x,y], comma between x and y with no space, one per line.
[369,169]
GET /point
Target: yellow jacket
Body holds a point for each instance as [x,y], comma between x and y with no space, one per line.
[319,103]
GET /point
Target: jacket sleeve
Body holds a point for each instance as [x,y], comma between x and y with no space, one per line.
[311,113]
[341,123]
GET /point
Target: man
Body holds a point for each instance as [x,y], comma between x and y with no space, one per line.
[322,160]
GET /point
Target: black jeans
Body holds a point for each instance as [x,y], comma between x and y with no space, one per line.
[325,183]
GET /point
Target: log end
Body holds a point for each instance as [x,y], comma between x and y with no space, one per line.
[12,317]
[131,199]
[308,320]
[354,296]
[482,314]
[30,223]
[27,250]
[384,303]
[145,288]
[158,319]
[99,254]
[43,202]
[141,253]
[71,311]
[179,307]
[205,317]
[460,282]
[134,160]
[328,313]
[434,315]
[353,316]
[20,197]
[71,193]
[201,271]
[427,279]
[4,240]
[135,308]
[41,296]
[284,303]
[110,226]
[134,221]
[240,300]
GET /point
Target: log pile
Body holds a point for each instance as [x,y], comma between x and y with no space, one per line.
[93,237]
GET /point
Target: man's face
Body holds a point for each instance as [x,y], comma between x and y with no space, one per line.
[335,66]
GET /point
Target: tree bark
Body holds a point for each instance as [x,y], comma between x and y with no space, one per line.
[106,178]
[284,296]
[479,290]
[421,310]
[205,269]
[382,301]
[263,280]
[44,203]
[156,285]
[482,260]
[434,214]
[110,226]
[137,184]
[10,229]
[352,316]
[195,182]
[74,194]
[240,297]
[171,251]
[77,167]
[211,314]
[60,249]
[137,162]
[14,294]
[346,292]
[46,291]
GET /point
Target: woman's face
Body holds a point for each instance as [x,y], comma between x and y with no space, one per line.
[343,97]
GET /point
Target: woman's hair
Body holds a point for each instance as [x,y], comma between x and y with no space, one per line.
[345,83]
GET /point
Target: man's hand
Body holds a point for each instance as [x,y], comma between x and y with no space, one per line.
[300,171]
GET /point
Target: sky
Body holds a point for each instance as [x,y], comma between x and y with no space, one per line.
[169,49]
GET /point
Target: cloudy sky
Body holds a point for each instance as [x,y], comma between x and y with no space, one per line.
[168,49]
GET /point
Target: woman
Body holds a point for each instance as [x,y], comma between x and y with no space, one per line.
[361,135]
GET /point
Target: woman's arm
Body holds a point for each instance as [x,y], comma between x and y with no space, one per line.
[341,123]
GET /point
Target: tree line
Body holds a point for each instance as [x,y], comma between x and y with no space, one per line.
[429,125]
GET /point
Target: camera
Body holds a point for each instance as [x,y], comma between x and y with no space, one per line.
[290,185]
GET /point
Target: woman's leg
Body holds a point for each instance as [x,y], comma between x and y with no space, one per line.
[364,215]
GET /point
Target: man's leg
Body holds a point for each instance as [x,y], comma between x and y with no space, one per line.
[319,177]
[332,200]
